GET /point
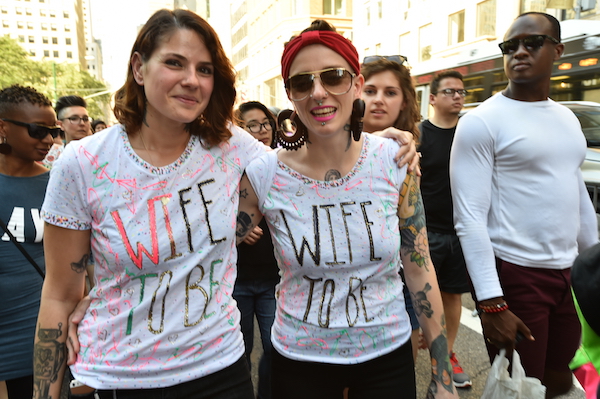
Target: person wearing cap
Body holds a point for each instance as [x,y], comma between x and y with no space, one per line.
[344,219]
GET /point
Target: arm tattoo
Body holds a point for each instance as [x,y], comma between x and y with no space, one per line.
[79,267]
[412,227]
[332,174]
[420,302]
[48,358]
[440,365]
[244,224]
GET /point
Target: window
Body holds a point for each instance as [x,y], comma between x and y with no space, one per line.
[29,25]
[425,42]
[65,14]
[32,53]
[53,27]
[334,7]
[486,18]
[5,23]
[19,11]
[42,12]
[42,1]
[55,54]
[67,28]
[403,43]
[52,14]
[45,39]
[46,53]
[20,24]
[456,28]
[4,10]
[68,41]
[44,26]
[21,39]
[31,39]
[69,54]
[28,11]
[368,12]
[380,8]
[55,40]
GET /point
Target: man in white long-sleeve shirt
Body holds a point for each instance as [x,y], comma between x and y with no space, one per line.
[521,208]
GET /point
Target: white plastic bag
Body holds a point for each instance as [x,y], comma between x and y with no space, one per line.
[500,385]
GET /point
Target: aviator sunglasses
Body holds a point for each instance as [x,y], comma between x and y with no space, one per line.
[531,43]
[35,131]
[335,81]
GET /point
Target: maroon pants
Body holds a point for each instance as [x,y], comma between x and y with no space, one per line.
[542,299]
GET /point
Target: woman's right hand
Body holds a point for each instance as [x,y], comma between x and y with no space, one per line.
[253,237]
[74,320]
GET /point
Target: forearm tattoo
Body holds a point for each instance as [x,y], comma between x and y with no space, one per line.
[79,267]
[420,302]
[244,224]
[440,366]
[332,174]
[48,358]
[413,233]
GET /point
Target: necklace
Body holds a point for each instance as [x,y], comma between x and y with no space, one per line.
[165,198]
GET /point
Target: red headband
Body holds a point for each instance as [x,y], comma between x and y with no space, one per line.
[333,40]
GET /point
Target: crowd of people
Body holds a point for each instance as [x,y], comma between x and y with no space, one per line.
[144,256]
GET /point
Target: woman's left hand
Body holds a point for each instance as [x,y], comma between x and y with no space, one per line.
[436,391]
[408,149]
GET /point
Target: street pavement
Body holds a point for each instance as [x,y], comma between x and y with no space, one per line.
[469,348]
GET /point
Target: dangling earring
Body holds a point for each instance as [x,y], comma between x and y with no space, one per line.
[5,148]
[292,132]
[356,119]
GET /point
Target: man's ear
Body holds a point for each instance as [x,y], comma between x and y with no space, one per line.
[60,123]
[559,50]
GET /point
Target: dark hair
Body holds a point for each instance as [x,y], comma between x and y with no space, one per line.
[250,105]
[97,122]
[435,83]
[410,116]
[317,24]
[13,96]
[320,24]
[130,100]
[555,25]
[68,101]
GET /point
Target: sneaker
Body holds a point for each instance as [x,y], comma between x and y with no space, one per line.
[460,378]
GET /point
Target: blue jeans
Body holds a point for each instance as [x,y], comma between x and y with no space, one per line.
[257,298]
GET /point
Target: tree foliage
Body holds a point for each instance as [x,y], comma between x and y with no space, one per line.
[52,79]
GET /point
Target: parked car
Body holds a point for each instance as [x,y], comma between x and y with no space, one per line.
[588,113]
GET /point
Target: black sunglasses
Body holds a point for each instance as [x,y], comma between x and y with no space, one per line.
[399,59]
[531,43]
[38,132]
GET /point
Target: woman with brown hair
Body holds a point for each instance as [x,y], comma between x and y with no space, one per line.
[344,221]
[154,201]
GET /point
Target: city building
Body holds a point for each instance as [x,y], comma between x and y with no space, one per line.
[436,35]
[47,29]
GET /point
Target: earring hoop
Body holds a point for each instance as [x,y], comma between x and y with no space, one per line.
[292,132]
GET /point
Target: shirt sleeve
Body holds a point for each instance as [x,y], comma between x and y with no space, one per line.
[471,171]
[65,203]
[588,229]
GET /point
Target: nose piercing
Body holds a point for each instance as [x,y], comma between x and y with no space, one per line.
[319,103]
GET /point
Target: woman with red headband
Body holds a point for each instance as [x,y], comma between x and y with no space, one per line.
[344,219]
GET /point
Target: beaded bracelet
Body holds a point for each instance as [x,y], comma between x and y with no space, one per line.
[499,307]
